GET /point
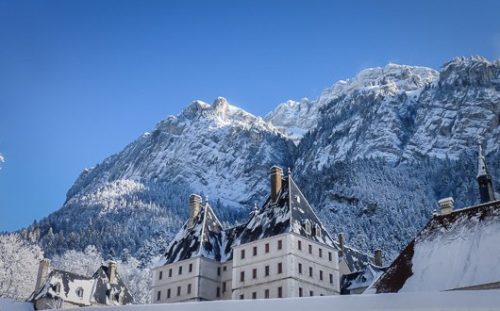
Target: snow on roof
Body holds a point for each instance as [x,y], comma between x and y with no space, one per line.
[204,238]
[271,219]
[360,279]
[84,290]
[457,250]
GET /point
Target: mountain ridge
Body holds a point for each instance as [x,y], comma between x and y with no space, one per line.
[378,126]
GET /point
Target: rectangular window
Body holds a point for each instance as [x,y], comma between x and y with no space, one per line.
[311,271]
[190,267]
[300,291]
[300,268]
[280,244]
[178,290]
[170,272]
[160,276]
[218,270]
[254,273]
[331,278]
[168,293]
[242,276]
[267,271]
[242,296]
[267,247]
[280,292]
[158,296]
[280,267]
[224,287]
[255,250]
[224,268]
[320,253]
[299,245]
[320,275]
[266,293]
[311,293]
[310,249]
[254,295]
[330,256]
[218,292]
[242,254]
[189,289]
[180,270]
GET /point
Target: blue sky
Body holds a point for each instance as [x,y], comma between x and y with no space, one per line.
[81,79]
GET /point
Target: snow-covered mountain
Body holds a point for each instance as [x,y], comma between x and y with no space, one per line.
[372,153]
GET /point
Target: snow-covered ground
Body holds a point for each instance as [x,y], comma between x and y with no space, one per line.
[12,305]
[452,300]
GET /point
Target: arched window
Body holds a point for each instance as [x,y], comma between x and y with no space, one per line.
[79,292]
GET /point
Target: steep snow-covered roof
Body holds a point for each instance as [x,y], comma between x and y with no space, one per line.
[290,213]
[203,238]
[457,250]
[84,290]
[360,279]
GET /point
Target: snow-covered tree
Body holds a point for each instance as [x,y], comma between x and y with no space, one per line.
[19,261]
[85,263]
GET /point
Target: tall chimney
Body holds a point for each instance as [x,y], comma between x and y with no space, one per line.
[341,244]
[112,272]
[377,258]
[194,207]
[276,175]
[43,272]
[446,206]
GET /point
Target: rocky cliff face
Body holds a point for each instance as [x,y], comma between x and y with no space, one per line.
[372,153]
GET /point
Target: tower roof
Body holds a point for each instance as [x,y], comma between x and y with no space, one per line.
[482,168]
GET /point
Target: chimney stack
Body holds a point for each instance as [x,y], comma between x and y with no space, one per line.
[276,175]
[341,244]
[194,207]
[112,272]
[446,206]
[377,258]
[43,272]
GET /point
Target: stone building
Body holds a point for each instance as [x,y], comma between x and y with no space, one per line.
[283,250]
[62,289]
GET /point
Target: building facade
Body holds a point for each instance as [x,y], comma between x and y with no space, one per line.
[283,250]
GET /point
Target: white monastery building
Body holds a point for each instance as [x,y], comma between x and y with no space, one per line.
[283,250]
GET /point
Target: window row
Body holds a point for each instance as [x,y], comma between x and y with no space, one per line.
[310,250]
[266,294]
[311,274]
[179,271]
[178,293]
[279,270]
[279,246]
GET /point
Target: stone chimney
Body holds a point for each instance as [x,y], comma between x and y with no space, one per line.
[112,272]
[377,258]
[194,208]
[341,244]
[43,272]
[276,175]
[446,206]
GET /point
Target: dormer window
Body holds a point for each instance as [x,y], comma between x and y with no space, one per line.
[297,198]
[318,230]
[79,292]
[307,226]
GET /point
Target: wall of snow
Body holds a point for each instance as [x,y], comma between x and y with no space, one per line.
[453,300]
[13,305]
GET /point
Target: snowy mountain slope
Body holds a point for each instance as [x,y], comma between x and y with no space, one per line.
[372,154]
[218,150]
